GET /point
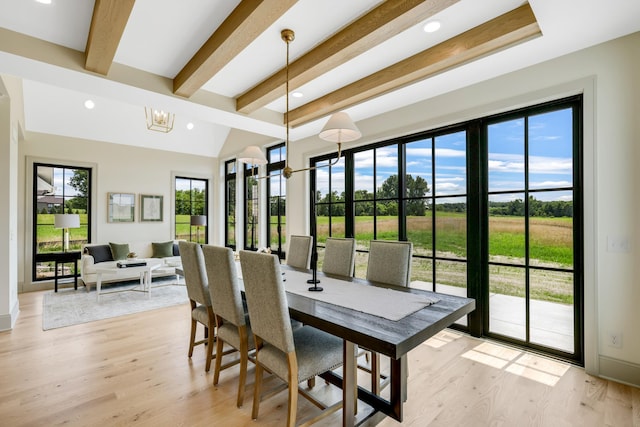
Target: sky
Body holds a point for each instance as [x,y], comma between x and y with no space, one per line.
[549,161]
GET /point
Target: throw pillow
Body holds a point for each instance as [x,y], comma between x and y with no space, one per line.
[161,250]
[119,250]
[176,249]
[100,253]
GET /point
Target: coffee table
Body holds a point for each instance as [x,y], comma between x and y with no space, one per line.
[143,271]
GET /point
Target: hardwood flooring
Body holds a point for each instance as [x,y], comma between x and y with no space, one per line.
[135,370]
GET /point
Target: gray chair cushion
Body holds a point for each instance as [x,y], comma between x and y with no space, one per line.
[339,256]
[390,262]
[195,276]
[299,253]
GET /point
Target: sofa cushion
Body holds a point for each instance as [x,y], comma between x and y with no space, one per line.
[176,249]
[100,253]
[119,250]
[161,250]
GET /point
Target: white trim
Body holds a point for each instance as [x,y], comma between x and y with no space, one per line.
[27,284]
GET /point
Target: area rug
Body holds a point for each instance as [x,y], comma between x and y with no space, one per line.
[69,307]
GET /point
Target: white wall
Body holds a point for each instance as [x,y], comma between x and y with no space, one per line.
[119,169]
[609,77]
[9,307]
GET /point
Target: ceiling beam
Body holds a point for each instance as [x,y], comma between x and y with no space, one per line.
[390,18]
[504,31]
[247,21]
[107,25]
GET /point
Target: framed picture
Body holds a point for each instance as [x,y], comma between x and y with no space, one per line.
[121,207]
[150,208]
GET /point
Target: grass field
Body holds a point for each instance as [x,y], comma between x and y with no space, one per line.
[550,245]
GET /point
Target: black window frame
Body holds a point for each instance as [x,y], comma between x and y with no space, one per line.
[477,212]
[274,172]
[230,198]
[41,257]
[192,209]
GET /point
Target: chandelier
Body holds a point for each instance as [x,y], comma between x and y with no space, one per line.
[159,120]
[340,128]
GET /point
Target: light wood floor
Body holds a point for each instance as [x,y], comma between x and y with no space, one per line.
[135,370]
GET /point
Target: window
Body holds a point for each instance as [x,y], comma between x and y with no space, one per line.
[251,208]
[532,225]
[191,198]
[230,204]
[330,200]
[277,197]
[492,207]
[58,189]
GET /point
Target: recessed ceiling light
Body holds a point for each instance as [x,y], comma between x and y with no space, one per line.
[297,94]
[89,104]
[189,125]
[432,26]
[44,1]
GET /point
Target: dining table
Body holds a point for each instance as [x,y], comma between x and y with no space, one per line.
[386,319]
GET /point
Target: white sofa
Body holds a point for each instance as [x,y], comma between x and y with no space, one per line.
[143,250]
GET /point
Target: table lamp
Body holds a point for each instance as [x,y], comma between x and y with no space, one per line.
[66,221]
[198,221]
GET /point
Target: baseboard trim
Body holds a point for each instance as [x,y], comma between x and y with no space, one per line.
[7,321]
[620,371]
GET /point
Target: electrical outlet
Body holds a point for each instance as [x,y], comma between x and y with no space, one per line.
[615,339]
[618,244]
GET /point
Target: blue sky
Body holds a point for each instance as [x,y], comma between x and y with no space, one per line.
[550,160]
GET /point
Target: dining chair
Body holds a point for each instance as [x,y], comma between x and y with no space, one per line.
[339,256]
[389,263]
[299,252]
[293,355]
[195,278]
[231,319]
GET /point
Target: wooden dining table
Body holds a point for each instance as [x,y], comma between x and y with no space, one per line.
[392,338]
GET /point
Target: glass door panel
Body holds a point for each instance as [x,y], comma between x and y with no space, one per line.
[507,302]
[551,309]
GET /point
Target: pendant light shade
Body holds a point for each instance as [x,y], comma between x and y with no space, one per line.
[340,128]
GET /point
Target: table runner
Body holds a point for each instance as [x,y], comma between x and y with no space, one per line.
[383,302]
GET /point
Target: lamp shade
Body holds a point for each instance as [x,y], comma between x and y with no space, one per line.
[198,220]
[340,128]
[252,155]
[66,221]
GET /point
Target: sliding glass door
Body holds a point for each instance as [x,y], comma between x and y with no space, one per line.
[532,244]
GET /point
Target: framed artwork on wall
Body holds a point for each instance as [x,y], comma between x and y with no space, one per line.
[121,207]
[150,207]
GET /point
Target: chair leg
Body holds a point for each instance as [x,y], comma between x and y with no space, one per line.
[293,389]
[216,369]
[244,357]
[209,350]
[257,386]
[192,339]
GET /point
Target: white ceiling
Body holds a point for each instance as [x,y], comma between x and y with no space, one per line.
[162,35]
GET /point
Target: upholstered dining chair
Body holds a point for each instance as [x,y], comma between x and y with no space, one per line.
[389,263]
[231,319]
[339,256]
[293,355]
[299,252]
[195,278]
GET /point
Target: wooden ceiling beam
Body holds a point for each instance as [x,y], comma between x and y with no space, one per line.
[247,21]
[107,25]
[504,31]
[387,20]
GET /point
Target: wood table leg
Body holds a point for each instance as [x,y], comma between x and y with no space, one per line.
[349,384]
